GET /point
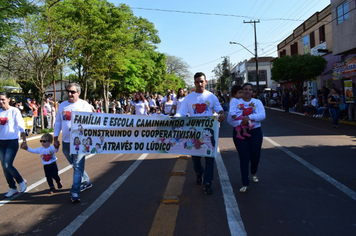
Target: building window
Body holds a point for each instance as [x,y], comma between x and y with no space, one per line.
[322,33]
[294,48]
[282,53]
[342,12]
[252,75]
[312,39]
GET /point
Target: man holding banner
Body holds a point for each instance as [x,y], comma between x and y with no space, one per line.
[63,122]
[202,103]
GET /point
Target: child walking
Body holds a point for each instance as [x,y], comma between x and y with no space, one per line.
[237,112]
[47,153]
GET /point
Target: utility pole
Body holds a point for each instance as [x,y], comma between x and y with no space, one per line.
[256,57]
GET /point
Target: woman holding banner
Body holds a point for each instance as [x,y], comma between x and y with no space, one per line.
[140,105]
[249,149]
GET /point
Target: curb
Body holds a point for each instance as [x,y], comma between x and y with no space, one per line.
[301,114]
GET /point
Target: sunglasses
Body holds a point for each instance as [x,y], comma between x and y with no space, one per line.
[43,141]
[72,92]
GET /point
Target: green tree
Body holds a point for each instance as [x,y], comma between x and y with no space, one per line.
[298,69]
[11,12]
[222,73]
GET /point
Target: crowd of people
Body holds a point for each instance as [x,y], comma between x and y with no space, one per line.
[33,110]
[245,114]
[327,102]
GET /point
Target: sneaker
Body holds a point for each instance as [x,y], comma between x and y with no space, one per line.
[51,190]
[207,189]
[199,179]
[85,186]
[255,179]
[59,185]
[23,186]
[74,197]
[11,192]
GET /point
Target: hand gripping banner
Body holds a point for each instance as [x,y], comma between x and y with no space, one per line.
[112,133]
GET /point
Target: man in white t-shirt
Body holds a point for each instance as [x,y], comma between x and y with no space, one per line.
[81,180]
[202,103]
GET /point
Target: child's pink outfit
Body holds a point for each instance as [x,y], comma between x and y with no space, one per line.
[241,111]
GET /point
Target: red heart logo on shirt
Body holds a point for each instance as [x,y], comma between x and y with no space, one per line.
[67,115]
[46,157]
[247,111]
[3,120]
[200,107]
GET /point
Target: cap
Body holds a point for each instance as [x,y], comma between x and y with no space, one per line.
[28,99]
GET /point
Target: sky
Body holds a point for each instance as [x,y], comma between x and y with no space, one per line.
[199,31]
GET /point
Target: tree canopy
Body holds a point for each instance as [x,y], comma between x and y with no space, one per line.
[107,47]
[298,69]
[222,73]
[11,11]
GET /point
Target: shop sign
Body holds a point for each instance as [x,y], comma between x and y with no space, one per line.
[345,69]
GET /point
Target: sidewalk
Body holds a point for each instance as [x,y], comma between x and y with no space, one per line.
[302,114]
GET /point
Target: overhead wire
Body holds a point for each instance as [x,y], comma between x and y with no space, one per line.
[279,27]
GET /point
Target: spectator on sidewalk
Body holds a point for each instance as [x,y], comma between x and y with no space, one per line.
[48,119]
[334,102]
[352,106]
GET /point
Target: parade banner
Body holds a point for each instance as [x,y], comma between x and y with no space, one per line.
[113,133]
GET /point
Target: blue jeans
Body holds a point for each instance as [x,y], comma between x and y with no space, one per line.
[209,168]
[78,163]
[8,151]
[249,150]
[335,113]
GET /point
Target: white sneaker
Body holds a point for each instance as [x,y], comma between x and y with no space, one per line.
[23,186]
[11,192]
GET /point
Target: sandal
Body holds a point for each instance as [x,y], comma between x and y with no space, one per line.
[243,189]
[255,179]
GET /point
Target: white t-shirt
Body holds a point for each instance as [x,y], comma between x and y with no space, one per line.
[11,122]
[140,107]
[47,154]
[63,117]
[168,107]
[257,115]
[152,102]
[178,102]
[315,102]
[199,104]
[48,107]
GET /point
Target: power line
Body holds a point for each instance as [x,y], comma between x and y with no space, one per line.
[212,14]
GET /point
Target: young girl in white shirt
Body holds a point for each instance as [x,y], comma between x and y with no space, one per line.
[47,153]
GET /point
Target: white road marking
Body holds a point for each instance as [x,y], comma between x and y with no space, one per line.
[232,209]
[77,222]
[317,171]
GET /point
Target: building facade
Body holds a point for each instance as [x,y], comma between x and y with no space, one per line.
[314,36]
[245,72]
[344,35]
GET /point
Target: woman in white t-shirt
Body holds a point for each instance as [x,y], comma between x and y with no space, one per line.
[167,104]
[152,102]
[140,105]
[11,124]
[177,102]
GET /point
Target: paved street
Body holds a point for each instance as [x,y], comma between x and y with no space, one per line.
[307,187]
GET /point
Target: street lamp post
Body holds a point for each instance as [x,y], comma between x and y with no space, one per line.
[255,54]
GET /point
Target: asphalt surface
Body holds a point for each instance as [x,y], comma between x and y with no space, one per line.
[307,187]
